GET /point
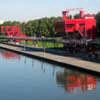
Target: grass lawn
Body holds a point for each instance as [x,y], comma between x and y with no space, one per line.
[44,44]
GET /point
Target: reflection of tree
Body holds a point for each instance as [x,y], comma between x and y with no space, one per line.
[73,81]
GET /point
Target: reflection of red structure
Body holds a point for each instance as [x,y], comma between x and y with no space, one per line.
[85,25]
[85,83]
[12,31]
[10,55]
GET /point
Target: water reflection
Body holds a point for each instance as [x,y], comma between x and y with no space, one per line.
[9,55]
[71,81]
[74,82]
[31,79]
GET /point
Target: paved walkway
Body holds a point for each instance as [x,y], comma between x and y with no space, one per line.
[75,62]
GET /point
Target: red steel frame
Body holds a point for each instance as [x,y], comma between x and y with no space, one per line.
[85,25]
[11,31]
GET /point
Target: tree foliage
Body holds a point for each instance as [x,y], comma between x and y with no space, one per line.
[45,26]
[37,27]
[76,16]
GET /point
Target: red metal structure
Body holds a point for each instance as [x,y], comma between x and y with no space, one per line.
[85,25]
[12,31]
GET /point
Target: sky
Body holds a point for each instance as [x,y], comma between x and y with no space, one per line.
[24,10]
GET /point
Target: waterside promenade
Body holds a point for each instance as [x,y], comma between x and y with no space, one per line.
[64,60]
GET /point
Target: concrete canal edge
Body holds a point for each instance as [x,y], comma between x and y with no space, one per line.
[60,60]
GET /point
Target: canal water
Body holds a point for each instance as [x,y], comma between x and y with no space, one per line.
[23,78]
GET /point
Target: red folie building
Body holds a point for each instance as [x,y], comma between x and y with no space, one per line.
[12,31]
[85,25]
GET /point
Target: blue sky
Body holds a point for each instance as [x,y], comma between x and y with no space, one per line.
[23,10]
